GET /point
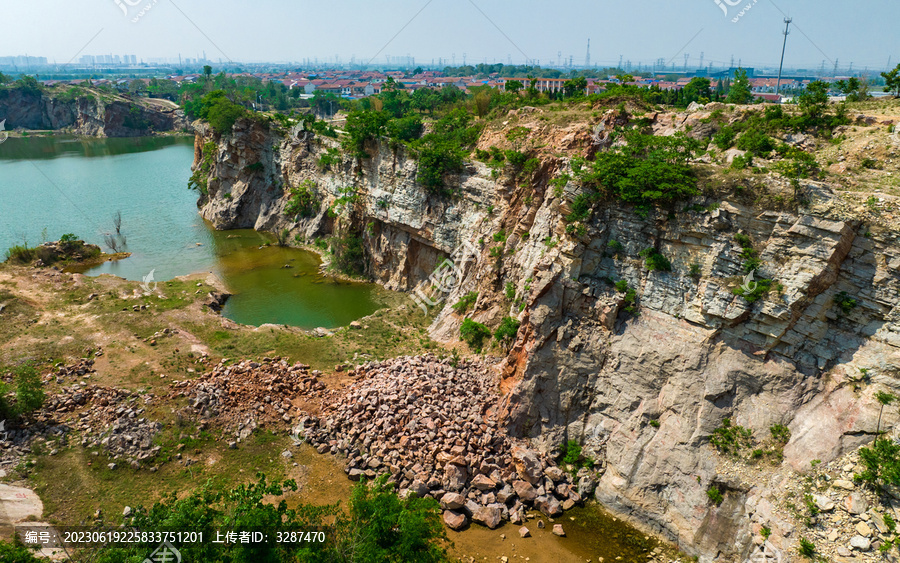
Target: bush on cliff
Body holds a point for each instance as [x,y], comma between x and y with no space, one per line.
[217,109]
[474,334]
[647,172]
[303,202]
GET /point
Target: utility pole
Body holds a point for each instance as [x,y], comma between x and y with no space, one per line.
[787,26]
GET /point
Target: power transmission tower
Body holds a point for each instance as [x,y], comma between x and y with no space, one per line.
[787,26]
[587,57]
[700,66]
[687,56]
[836,61]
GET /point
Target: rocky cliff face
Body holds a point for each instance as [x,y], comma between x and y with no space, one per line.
[94,115]
[582,367]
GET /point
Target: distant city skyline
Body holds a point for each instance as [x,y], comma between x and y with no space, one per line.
[440,33]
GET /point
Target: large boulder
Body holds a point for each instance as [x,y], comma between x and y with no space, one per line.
[524,491]
[455,520]
[487,516]
[528,465]
[483,483]
[548,505]
[454,477]
[453,501]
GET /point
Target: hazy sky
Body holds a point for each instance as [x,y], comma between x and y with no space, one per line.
[864,33]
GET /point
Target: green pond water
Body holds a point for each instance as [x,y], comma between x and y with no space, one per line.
[50,186]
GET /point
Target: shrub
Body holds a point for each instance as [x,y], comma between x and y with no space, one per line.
[581,209]
[724,139]
[648,171]
[780,433]
[16,552]
[730,439]
[467,301]
[807,548]
[218,110]
[507,330]
[695,270]
[474,333]
[655,261]
[654,423]
[714,495]
[302,202]
[622,286]
[615,248]
[881,462]
[510,290]
[349,254]
[756,143]
[29,390]
[329,159]
[762,287]
[572,455]
[845,302]
[20,254]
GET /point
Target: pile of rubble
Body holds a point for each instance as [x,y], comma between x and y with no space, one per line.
[107,418]
[247,394]
[111,421]
[82,368]
[430,426]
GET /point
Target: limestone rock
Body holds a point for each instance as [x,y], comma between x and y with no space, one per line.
[455,520]
[558,530]
[823,503]
[487,516]
[860,543]
[856,503]
[524,532]
[453,501]
[548,505]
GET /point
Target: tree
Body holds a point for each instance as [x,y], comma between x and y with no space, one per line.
[507,330]
[513,86]
[384,527]
[892,81]
[474,333]
[740,89]
[814,100]
[136,87]
[575,87]
[697,90]
[884,399]
[29,391]
[855,89]
[207,74]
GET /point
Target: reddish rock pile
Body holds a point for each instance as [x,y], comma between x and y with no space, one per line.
[250,393]
[430,426]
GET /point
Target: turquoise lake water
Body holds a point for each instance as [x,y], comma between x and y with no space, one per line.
[50,186]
